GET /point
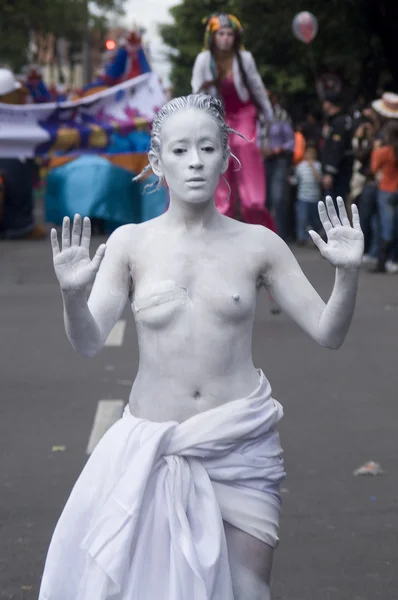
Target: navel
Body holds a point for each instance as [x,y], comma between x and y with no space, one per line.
[236,297]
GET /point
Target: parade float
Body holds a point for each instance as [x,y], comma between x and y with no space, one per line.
[93,145]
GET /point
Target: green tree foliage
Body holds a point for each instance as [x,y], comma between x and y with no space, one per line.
[63,18]
[344,42]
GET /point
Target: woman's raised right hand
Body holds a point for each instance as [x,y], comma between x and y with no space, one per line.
[73,267]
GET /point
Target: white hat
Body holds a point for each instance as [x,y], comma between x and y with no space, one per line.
[8,83]
[387,106]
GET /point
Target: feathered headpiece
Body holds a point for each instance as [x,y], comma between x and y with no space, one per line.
[216,22]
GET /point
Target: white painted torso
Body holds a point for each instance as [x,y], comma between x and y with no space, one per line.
[192,276]
[194,304]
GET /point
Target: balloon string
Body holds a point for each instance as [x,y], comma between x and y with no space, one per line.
[312,61]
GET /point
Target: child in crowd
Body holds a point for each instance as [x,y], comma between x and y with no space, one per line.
[308,175]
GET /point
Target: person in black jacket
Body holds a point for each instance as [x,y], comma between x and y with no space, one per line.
[18,177]
[364,185]
[337,159]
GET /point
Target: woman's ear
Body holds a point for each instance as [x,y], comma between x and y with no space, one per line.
[155,164]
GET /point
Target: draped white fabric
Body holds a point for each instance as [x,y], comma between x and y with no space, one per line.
[145,518]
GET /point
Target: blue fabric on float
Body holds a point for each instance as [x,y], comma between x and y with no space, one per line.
[92,186]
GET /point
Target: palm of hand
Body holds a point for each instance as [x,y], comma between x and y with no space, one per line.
[345,243]
[73,268]
[344,246]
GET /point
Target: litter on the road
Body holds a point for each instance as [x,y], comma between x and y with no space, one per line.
[391,307]
[369,468]
[58,449]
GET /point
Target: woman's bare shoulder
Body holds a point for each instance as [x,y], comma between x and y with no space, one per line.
[260,236]
[266,247]
[256,237]
[133,233]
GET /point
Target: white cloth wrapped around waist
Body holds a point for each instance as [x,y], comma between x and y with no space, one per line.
[145,518]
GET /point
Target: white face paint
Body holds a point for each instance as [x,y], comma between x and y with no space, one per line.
[191,156]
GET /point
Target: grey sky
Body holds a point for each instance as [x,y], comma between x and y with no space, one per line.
[149,13]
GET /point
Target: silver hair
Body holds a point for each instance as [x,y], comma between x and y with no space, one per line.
[205,102]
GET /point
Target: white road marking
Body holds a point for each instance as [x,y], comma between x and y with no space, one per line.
[108,412]
[116,336]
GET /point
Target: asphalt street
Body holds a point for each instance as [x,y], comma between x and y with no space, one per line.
[338,532]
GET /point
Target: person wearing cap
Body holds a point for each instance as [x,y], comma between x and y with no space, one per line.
[17,219]
[227,71]
[338,157]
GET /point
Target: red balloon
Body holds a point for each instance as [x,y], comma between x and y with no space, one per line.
[305,27]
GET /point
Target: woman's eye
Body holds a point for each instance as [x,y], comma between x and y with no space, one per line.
[178,150]
[208,149]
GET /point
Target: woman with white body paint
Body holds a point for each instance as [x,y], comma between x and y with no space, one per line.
[180,499]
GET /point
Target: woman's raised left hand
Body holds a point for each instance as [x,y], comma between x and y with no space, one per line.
[345,242]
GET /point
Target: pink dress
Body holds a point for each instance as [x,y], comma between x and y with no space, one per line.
[247,183]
